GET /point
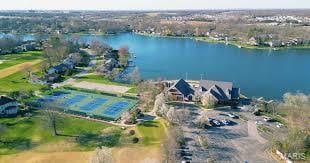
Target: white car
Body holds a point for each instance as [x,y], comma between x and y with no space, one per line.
[258,122]
[231,115]
[280,125]
[267,119]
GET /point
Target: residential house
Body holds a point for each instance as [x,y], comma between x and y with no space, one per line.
[61,68]
[51,78]
[8,106]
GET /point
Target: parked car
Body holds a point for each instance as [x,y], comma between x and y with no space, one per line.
[232,115]
[258,122]
[215,123]
[210,119]
[226,122]
[279,125]
[267,119]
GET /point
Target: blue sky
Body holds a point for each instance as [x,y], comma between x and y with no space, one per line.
[150,4]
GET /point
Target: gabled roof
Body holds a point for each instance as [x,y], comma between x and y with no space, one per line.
[235,93]
[207,84]
[182,86]
[5,100]
[218,93]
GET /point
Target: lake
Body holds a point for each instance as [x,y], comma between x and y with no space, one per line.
[266,73]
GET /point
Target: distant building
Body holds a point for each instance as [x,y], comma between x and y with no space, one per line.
[207,92]
[8,106]
[61,68]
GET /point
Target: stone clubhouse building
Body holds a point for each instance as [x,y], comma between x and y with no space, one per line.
[208,92]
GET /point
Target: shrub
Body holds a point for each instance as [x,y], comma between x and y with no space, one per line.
[132,132]
[135,140]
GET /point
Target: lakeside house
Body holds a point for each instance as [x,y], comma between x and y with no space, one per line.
[208,92]
[68,63]
[8,106]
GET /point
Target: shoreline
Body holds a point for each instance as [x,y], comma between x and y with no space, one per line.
[232,43]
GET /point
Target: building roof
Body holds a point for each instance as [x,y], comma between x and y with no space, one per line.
[218,93]
[61,67]
[5,100]
[207,84]
[183,87]
[235,93]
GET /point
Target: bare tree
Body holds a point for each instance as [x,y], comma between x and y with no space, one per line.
[102,155]
[52,116]
[123,50]
[159,105]
[203,119]
[126,116]
[177,116]
[134,76]
[27,69]
[296,107]
[148,90]
[44,67]
[174,139]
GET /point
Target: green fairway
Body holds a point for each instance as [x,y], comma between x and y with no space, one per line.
[152,132]
[14,59]
[27,133]
[17,82]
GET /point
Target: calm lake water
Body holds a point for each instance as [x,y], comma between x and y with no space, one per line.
[264,73]
[258,73]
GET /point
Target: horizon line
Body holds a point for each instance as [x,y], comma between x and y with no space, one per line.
[154,9]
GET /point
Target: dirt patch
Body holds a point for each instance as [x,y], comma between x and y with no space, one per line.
[13,69]
[101,87]
[54,157]
[150,154]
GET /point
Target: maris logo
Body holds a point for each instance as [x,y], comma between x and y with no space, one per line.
[296,156]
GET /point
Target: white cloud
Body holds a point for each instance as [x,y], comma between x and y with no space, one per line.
[150,4]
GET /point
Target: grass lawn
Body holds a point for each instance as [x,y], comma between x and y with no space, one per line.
[152,132]
[103,80]
[99,79]
[16,68]
[14,59]
[17,82]
[28,133]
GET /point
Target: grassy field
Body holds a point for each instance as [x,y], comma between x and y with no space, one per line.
[23,134]
[152,132]
[15,59]
[36,144]
[16,68]
[17,82]
[103,80]
[12,78]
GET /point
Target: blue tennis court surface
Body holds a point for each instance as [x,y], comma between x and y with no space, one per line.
[73,100]
[93,104]
[101,106]
[115,109]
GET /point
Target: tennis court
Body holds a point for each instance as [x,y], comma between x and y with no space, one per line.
[103,106]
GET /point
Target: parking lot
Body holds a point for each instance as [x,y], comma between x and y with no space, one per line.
[238,141]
